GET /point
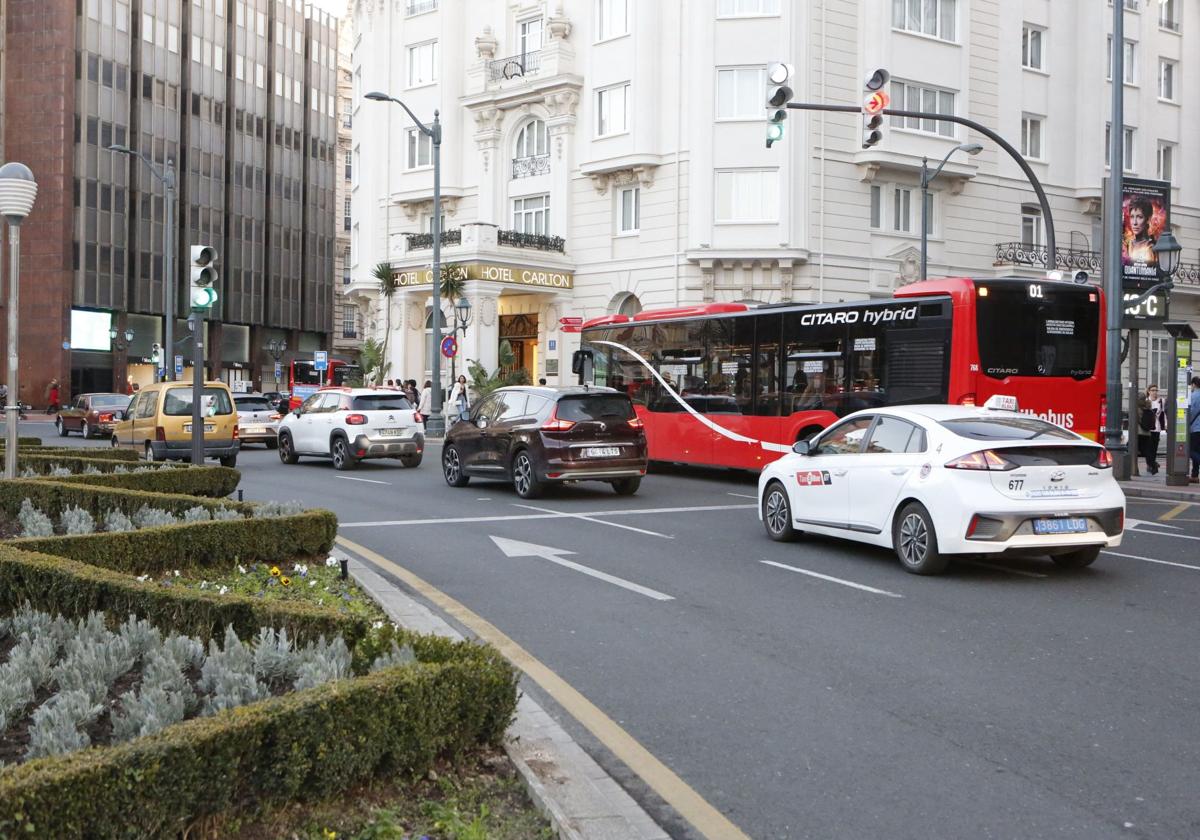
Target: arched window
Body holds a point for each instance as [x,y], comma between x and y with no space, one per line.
[628,304]
[532,140]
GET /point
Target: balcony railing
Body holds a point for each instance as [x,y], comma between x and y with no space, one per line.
[525,64]
[531,240]
[349,332]
[1169,23]
[525,167]
[419,241]
[419,7]
[1070,259]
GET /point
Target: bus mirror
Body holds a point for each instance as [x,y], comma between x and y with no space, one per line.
[578,359]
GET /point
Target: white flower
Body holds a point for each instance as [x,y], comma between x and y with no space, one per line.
[224,590]
[377,625]
[143,578]
[241,568]
[176,573]
[204,584]
[312,583]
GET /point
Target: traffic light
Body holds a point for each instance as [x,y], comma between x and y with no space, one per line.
[779,94]
[156,354]
[204,277]
[874,102]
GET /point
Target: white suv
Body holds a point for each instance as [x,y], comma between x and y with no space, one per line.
[349,424]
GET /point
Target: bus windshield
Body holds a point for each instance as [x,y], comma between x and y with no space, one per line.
[305,373]
[1033,329]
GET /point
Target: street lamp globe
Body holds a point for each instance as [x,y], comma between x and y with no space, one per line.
[129,335]
[1168,250]
[18,190]
[463,310]
[112,333]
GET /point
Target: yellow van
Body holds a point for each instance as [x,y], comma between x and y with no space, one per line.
[158,423]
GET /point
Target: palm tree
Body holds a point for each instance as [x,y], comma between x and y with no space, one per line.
[387,287]
[454,280]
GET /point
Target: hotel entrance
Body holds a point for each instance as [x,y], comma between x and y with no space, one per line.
[521,333]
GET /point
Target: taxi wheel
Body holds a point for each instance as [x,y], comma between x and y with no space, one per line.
[916,541]
[286,453]
[1077,559]
[777,514]
[525,480]
[343,459]
[452,467]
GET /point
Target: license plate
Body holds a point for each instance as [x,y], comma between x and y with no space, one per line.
[390,432]
[253,430]
[602,452]
[1060,526]
[187,427]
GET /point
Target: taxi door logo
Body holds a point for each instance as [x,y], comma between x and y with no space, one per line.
[813,478]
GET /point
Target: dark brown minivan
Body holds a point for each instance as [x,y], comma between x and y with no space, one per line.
[534,436]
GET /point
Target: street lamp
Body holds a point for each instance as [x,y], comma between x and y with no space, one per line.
[926,178]
[114,332]
[18,190]
[1168,250]
[167,176]
[462,318]
[277,347]
[435,423]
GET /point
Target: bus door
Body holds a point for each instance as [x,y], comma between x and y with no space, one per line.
[679,435]
[741,399]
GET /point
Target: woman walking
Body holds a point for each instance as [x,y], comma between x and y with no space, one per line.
[425,404]
[1152,422]
[460,399]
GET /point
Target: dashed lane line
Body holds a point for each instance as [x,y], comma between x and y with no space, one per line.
[743,496]
[1153,560]
[456,520]
[832,579]
[367,480]
[587,518]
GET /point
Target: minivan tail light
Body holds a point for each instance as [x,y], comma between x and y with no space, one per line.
[554,424]
[983,460]
[160,433]
[1103,460]
[356,419]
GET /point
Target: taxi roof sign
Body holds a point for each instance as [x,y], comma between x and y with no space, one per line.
[1002,402]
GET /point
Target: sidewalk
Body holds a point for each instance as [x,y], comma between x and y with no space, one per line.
[1155,487]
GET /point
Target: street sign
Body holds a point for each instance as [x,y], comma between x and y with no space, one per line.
[179,365]
[1147,315]
[571,321]
[449,347]
[278,371]
[321,360]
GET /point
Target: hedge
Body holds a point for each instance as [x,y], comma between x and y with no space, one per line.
[77,460]
[59,585]
[95,452]
[151,551]
[211,482]
[51,496]
[307,744]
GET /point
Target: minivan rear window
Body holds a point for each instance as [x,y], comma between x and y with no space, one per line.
[213,401]
[381,402]
[1007,428]
[595,407]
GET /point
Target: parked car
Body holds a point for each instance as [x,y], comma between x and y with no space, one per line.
[158,423]
[258,419]
[92,415]
[535,436]
[350,424]
[932,481]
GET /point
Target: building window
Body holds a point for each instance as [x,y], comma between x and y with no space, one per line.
[422,64]
[612,19]
[747,8]
[629,202]
[1128,146]
[1130,74]
[420,7]
[347,115]
[902,210]
[346,263]
[909,97]
[218,57]
[1031,48]
[354,251]
[747,195]
[1031,137]
[1166,80]
[346,214]
[529,35]
[1168,15]
[260,76]
[420,149]
[927,17]
[740,94]
[351,159]
[173,38]
[1031,226]
[532,140]
[239,67]
[1166,161]
[876,207]
[612,115]
[532,214]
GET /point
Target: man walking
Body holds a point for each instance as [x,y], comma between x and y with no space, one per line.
[1193,424]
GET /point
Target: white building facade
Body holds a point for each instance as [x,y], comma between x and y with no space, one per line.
[601,156]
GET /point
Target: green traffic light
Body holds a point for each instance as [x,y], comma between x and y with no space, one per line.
[774,133]
[203,298]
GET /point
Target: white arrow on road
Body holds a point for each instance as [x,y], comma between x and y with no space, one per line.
[1130,522]
[516,548]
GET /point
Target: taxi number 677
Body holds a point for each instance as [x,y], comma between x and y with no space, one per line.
[1016,483]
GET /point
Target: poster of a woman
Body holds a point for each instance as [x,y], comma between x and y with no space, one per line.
[1145,212]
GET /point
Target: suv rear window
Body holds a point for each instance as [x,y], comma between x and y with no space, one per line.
[381,402]
[1007,428]
[178,402]
[251,403]
[595,407]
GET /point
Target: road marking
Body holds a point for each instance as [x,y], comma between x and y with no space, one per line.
[516,548]
[455,520]
[1130,522]
[1152,560]
[1164,534]
[998,568]
[587,518]
[1175,511]
[831,579]
[743,496]
[658,777]
[368,480]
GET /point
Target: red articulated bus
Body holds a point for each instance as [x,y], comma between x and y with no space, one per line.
[304,379]
[735,385]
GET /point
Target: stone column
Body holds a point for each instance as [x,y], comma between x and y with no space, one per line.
[482,340]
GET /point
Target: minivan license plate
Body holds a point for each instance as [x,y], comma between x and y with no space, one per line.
[601,452]
[1060,526]
[187,428]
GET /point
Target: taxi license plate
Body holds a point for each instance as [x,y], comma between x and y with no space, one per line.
[1060,526]
[187,427]
[601,452]
[390,432]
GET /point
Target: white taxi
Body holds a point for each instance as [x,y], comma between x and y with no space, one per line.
[930,481]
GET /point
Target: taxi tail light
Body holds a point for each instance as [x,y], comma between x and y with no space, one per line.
[356,419]
[1103,460]
[554,424]
[967,399]
[636,423]
[160,433]
[983,460]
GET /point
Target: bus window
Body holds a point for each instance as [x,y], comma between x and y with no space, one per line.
[729,367]
[767,396]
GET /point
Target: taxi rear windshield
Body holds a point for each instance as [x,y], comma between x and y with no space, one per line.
[1006,428]
[1037,329]
[595,407]
[381,402]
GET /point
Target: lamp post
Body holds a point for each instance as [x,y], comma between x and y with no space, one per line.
[18,190]
[167,176]
[1114,224]
[926,179]
[127,335]
[435,423]
[462,319]
[277,347]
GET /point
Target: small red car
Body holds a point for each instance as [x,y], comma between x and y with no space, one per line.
[92,415]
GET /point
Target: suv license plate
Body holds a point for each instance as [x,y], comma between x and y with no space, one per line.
[187,428]
[602,452]
[1060,526]
[390,432]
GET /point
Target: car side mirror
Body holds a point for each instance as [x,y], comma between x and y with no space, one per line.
[296,412]
[802,447]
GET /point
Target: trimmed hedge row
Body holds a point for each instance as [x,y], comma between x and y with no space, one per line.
[310,743]
[211,482]
[22,440]
[95,453]
[77,460]
[150,551]
[59,585]
[51,496]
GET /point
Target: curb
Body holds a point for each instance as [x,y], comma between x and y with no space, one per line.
[581,800]
[1163,493]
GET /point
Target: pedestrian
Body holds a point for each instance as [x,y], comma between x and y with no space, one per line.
[425,404]
[391,383]
[52,394]
[1193,423]
[1152,422]
[460,398]
[410,390]
[542,382]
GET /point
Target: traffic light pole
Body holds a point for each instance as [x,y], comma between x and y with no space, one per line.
[1047,215]
[196,323]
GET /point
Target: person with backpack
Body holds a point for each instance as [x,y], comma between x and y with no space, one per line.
[1152,422]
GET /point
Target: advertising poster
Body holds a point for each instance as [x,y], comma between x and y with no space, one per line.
[1145,214]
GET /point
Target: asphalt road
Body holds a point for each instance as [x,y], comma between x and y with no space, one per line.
[1013,700]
